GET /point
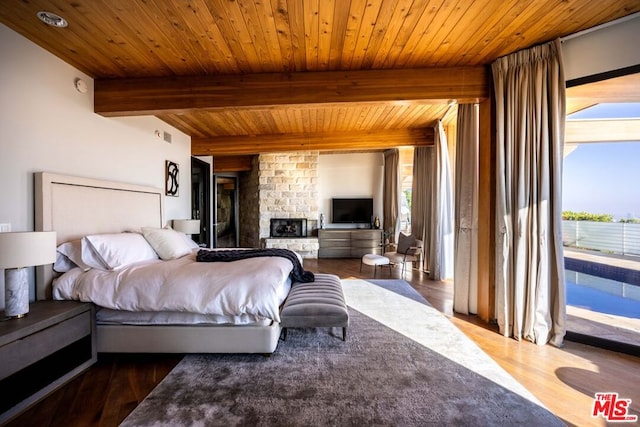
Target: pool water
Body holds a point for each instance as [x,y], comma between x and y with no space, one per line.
[602,295]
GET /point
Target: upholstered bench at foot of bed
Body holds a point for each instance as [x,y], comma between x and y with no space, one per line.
[316,304]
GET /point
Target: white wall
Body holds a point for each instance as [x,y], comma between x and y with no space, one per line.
[605,48]
[350,175]
[46,125]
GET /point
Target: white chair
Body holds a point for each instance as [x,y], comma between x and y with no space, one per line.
[408,249]
[375,260]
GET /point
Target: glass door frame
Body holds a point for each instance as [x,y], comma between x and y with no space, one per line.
[236,207]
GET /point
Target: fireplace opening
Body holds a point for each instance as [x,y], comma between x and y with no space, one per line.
[288,227]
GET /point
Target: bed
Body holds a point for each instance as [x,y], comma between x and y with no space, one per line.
[77,207]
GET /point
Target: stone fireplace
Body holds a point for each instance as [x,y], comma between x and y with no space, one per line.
[283,187]
[288,227]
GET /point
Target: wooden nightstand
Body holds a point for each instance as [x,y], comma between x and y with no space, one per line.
[42,351]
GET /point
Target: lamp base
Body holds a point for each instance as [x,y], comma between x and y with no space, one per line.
[16,293]
[19,316]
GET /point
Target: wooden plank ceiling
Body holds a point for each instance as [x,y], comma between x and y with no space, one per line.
[614,90]
[247,76]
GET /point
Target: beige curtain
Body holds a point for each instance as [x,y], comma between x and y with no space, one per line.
[530,114]
[441,235]
[391,193]
[432,205]
[421,199]
[465,289]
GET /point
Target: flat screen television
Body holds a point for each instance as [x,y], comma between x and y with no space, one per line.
[352,210]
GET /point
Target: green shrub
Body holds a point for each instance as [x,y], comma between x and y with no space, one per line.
[586,216]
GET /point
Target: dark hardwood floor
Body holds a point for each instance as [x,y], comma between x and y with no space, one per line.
[563,379]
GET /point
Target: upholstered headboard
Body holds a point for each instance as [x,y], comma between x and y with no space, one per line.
[74,207]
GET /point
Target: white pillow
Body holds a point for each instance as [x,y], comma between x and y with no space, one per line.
[168,243]
[63,263]
[120,249]
[79,254]
[190,242]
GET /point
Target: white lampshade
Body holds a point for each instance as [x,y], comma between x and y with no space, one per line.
[26,249]
[187,226]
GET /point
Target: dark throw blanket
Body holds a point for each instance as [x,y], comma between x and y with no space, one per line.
[298,274]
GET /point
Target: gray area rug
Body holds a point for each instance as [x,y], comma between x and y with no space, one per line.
[378,377]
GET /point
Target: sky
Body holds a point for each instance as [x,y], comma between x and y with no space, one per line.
[604,178]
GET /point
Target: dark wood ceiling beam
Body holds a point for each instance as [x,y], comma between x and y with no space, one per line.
[223,164]
[337,141]
[161,95]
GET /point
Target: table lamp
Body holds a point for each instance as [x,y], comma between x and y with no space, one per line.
[187,226]
[17,251]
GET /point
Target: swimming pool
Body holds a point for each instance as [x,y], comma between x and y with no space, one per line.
[602,295]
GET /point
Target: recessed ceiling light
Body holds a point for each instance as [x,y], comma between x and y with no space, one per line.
[52,19]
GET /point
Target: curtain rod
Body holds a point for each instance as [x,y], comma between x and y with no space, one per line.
[600,27]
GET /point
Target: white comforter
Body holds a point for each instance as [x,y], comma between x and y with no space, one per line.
[255,286]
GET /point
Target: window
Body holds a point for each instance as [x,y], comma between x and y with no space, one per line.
[601,228]
[406,185]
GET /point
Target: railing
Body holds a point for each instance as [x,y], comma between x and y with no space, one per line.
[610,237]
